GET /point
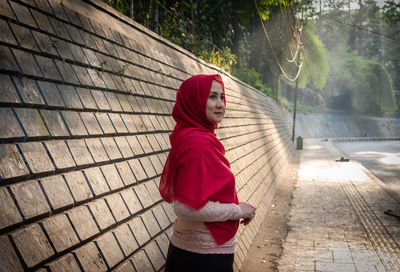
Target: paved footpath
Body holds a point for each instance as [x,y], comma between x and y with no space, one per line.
[337,220]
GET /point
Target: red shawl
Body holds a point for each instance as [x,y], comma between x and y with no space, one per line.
[196,170]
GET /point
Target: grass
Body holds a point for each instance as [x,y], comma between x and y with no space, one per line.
[301,107]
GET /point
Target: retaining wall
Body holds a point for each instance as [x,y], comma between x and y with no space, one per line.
[86,97]
[315,125]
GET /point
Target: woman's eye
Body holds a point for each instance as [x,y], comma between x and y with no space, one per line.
[213,96]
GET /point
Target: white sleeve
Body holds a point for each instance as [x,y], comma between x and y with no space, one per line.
[211,212]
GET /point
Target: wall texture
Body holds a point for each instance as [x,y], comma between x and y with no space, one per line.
[85,113]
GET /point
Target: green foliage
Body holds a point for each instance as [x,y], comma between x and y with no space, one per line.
[391,11]
[221,32]
[301,106]
[364,55]
[224,58]
[118,5]
[315,60]
[315,68]
[264,6]
[391,57]
[369,85]
[251,77]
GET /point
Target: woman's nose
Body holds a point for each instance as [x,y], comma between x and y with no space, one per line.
[220,103]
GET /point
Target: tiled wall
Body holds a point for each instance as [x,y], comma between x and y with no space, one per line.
[85,112]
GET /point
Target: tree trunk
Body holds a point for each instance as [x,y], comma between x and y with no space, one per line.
[156,16]
[259,40]
[271,78]
[131,15]
[236,37]
[192,8]
[236,29]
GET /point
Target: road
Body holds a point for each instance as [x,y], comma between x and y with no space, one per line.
[381,158]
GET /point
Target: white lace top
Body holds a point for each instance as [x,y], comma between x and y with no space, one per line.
[191,234]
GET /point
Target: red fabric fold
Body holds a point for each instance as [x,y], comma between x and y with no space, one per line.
[196,170]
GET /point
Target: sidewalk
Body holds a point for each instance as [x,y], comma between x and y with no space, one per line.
[337,220]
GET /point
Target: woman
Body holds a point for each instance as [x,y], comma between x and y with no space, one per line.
[198,180]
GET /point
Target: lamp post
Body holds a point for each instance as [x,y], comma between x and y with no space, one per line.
[295,100]
[294,111]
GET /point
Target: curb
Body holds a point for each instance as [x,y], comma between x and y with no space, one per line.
[365,139]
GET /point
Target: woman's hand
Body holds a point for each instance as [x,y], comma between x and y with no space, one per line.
[248,212]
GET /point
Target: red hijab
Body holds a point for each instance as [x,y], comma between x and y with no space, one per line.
[196,170]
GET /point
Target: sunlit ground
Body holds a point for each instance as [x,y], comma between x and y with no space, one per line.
[336,172]
[381,158]
[338,221]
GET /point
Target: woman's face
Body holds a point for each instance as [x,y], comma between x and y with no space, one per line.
[215,107]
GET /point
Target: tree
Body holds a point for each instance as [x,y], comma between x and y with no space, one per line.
[360,65]
[228,32]
[315,68]
[391,57]
[369,85]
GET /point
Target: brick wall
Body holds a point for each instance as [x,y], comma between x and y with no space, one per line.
[85,105]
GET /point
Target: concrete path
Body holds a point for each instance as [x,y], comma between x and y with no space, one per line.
[337,220]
